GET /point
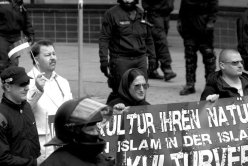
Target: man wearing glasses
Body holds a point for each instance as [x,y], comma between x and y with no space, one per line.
[229,81]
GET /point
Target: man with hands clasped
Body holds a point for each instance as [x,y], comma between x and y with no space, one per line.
[48,90]
[229,81]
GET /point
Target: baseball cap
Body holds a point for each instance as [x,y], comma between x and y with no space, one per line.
[72,113]
[14,75]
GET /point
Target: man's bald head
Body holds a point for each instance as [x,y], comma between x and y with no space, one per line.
[230,62]
[226,54]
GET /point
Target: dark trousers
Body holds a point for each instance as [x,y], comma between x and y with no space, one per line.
[243,50]
[208,55]
[197,38]
[5,43]
[118,65]
[159,34]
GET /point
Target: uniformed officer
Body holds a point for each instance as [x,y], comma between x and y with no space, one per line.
[14,19]
[242,36]
[126,38]
[196,26]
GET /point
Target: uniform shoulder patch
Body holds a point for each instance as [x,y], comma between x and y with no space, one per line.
[3,121]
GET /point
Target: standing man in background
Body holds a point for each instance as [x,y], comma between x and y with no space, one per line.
[242,35]
[157,13]
[126,38]
[196,27]
[48,90]
[14,19]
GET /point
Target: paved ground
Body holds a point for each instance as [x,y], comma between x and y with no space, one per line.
[160,92]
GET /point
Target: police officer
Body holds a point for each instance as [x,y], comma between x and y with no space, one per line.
[127,39]
[158,15]
[19,143]
[14,18]
[196,26]
[242,36]
[77,133]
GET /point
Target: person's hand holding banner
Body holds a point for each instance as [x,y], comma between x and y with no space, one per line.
[180,134]
[119,108]
[213,97]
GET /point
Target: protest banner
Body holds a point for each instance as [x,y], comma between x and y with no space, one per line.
[180,134]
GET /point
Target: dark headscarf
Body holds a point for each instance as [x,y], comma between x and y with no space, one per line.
[128,77]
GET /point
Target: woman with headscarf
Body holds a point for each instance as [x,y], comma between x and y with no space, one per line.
[131,92]
[132,89]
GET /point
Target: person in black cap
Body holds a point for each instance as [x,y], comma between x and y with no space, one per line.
[19,143]
[77,135]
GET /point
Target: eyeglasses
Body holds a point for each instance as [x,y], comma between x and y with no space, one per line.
[235,63]
[138,86]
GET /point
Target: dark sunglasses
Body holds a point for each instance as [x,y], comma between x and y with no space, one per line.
[138,86]
[24,84]
[235,63]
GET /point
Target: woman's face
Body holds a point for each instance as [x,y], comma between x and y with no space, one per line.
[138,88]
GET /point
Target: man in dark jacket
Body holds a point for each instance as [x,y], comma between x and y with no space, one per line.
[196,26]
[19,143]
[76,131]
[229,81]
[126,38]
[242,35]
[14,19]
[157,13]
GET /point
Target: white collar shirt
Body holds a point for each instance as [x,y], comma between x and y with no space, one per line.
[56,92]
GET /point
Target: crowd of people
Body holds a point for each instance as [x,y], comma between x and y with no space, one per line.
[132,45]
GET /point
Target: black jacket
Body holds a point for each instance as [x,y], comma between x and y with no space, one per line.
[126,102]
[196,14]
[198,7]
[19,142]
[13,20]
[79,155]
[216,85]
[162,7]
[122,36]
